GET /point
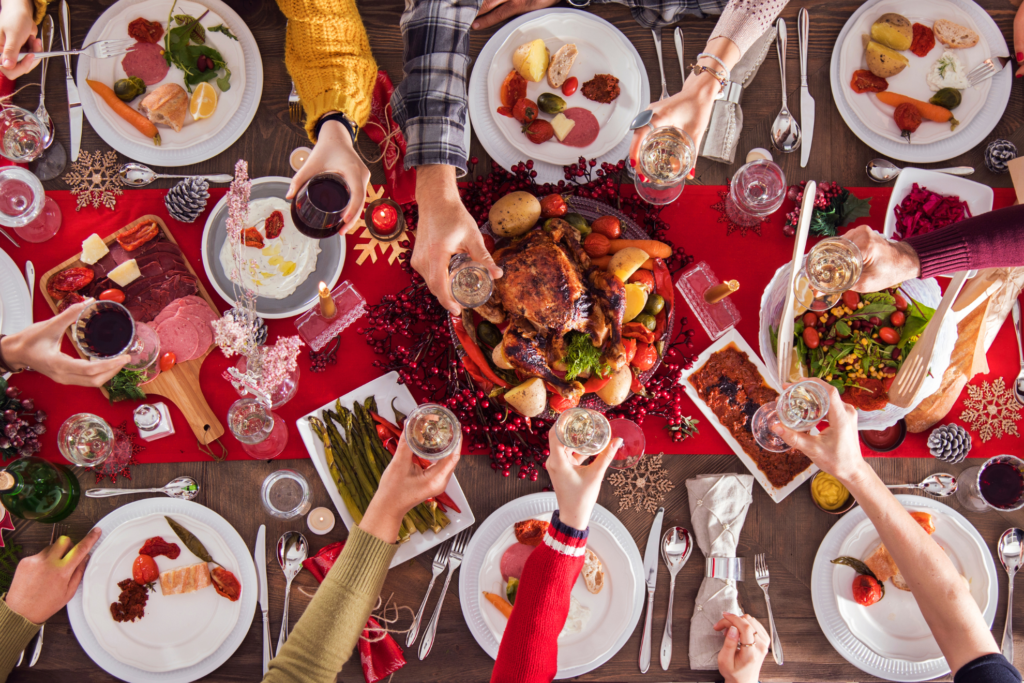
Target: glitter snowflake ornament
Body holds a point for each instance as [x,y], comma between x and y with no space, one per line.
[122,459]
[642,488]
[94,179]
[992,410]
[369,249]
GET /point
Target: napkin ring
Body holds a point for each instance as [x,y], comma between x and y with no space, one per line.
[725,568]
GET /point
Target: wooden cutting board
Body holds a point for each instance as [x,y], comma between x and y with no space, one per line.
[179,385]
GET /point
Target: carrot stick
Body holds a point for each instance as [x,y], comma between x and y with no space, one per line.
[603,261]
[501,603]
[932,112]
[654,248]
[140,122]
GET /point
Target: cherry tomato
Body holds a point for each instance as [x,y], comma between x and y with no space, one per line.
[644,278]
[525,111]
[865,81]
[167,361]
[144,570]
[901,303]
[866,590]
[552,206]
[609,226]
[810,320]
[645,358]
[630,347]
[898,318]
[889,335]
[851,298]
[115,295]
[908,118]
[539,131]
[811,337]
[570,86]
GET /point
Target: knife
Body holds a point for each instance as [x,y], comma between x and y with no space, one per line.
[678,37]
[74,101]
[803,24]
[651,576]
[30,279]
[785,344]
[260,552]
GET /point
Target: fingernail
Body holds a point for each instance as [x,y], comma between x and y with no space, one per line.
[642,177]
[632,162]
[476,25]
[1019,75]
[732,633]
[1020,56]
[690,175]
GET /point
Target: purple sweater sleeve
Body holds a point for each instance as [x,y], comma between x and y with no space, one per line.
[991,240]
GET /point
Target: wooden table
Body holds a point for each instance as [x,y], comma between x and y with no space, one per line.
[789,533]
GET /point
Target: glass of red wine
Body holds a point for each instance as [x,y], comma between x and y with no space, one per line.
[105,329]
[319,206]
[997,485]
[633,444]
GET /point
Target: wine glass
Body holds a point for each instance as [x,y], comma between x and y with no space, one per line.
[23,135]
[585,431]
[665,158]
[262,433]
[319,206]
[755,191]
[25,207]
[801,406]
[470,282]
[432,431]
[998,484]
[105,329]
[633,444]
[831,267]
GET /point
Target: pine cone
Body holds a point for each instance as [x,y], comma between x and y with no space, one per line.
[258,324]
[949,443]
[998,153]
[186,200]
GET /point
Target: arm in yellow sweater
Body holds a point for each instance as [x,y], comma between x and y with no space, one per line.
[15,633]
[328,56]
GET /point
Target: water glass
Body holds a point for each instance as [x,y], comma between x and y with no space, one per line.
[23,134]
[756,190]
[801,406]
[25,207]
[262,433]
[470,282]
[285,494]
[432,432]
[831,267]
[585,431]
[665,158]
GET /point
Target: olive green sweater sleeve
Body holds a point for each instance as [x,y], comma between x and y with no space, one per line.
[329,628]
[15,633]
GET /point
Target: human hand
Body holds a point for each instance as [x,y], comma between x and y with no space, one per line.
[17,29]
[38,347]
[445,228]
[334,152]
[44,583]
[403,486]
[886,264]
[496,11]
[577,486]
[745,647]
[689,109]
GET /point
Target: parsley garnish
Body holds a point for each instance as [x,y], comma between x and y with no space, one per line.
[582,356]
[125,385]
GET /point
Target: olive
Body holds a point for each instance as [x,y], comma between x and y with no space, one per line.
[655,304]
[647,320]
[489,333]
[550,103]
[579,222]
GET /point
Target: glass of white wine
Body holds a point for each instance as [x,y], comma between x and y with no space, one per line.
[665,158]
[470,282]
[585,431]
[801,406]
[831,267]
[432,432]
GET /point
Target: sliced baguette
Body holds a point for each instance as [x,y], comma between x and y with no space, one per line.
[561,63]
[954,35]
[593,572]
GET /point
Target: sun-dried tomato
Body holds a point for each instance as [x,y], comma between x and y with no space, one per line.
[158,546]
[531,531]
[55,294]
[512,89]
[133,238]
[274,225]
[71,279]
[868,395]
[225,583]
[865,81]
[505,111]
[924,40]
[70,299]
[146,31]
[908,118]
[252,237]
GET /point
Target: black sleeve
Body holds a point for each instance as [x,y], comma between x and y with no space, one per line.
[988,669]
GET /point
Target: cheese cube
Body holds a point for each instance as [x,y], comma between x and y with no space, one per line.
[93,249]
[125,273]
[562,125]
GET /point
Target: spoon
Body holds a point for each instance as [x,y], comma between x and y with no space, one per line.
[184,488]
[785,129]
[140,175]
[291,551]
[1018,384]
[940,485]
[1010,556]
[676,546]
[883,170]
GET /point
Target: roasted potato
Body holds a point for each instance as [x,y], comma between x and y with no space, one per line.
[626,262]
[514,214]
[531,60]
[499,357]
[884,62]
[530,398]
[893,30]
[617,389]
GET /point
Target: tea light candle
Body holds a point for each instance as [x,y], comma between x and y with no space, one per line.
[298,157]
[385,218]
[715,294]
[327,307]
[759,153]
[320,521]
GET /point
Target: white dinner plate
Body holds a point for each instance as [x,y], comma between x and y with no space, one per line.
[16,308]
[969,553]
[384,389]
[557,26]
[872,121]
[181,637]
[979,197]
[614,612]
[197,140]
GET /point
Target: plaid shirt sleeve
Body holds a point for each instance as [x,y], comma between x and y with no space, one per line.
[430,104]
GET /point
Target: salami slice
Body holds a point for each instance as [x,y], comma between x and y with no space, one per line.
[586,129]
[146,60]
[179,336]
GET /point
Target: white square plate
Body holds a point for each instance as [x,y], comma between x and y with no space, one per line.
[978,197]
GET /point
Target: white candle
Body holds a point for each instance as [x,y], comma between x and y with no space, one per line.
[298,157]
[320,521]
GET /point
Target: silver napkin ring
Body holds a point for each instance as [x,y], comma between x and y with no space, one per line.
[725,568]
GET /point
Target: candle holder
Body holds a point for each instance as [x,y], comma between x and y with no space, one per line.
[716,318]
[316,329]
[385,220]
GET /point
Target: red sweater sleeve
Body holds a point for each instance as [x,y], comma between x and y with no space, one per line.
[991,240]
[529,648]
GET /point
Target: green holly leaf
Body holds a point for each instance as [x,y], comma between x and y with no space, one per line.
[854,208]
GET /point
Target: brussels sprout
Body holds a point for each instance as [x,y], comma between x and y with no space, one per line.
[489,333]
[646,320]
[550,103]
[655,304]
[579,222]
[127,89]
[949,98]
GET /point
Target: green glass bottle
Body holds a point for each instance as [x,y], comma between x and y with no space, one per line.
[32,488]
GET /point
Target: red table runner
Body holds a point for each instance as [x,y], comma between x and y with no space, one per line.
[750,258]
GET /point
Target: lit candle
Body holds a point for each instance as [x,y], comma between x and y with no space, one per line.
[327,307]
[384,218]
[298,157]
[715,294]
[320,521]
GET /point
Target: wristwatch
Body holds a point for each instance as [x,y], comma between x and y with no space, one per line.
[340,117]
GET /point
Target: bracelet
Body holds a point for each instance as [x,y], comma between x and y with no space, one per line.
[723,80]
[725,70]
[338,116]
[4,367]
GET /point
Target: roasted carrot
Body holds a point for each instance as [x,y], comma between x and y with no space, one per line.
[501,603]
[140,122]
[654,248]
[932,112]
[603,261]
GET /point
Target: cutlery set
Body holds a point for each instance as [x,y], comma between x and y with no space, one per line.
[454,550]
[677,35]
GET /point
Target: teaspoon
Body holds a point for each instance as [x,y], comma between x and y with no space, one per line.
[1010,556]
[139,175]
[883,170]
[940,485]
[785,129]
[184,488]
[291,551]
[676,546]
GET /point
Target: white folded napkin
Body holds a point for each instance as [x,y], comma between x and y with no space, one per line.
[718,508]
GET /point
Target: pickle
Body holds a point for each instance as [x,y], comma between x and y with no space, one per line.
[489,333]
[949,98]
[550,103]
[655,304]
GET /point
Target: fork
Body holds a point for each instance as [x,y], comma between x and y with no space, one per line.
[987,69]
[656,32]
[440,562]
[458,547]
[294,106]
[761,574]
[100,49]
[56,532]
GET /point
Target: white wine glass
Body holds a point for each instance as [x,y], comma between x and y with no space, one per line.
[801,406]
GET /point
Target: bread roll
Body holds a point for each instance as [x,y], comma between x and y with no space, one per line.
[168,105]
[954,35]
[593,572]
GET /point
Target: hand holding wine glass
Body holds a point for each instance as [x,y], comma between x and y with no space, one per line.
[577,486]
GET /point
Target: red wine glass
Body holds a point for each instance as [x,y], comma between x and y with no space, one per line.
[997,485]
[319,206]
[105,329]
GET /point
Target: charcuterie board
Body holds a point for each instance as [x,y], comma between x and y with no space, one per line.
[181,383]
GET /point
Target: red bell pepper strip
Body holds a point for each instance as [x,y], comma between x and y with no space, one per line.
[596,383]
[447,501]
[440,505]
[390,430]
[379,658]
[391,444]
[636,386]
[630,347]
[661,322]
[474,353]
[663,281]
[637,331]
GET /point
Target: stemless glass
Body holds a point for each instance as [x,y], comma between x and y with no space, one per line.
[22,134]
[105,329]
[319,206]
[470,282]
[585,431]
[666,155]
[801,406]
[263,434]
[432,431]
[25,207]
[831,267]
[998,484]
[285,494]
[756,190]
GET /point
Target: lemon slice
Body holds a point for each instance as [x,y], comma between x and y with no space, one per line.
[204,102]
